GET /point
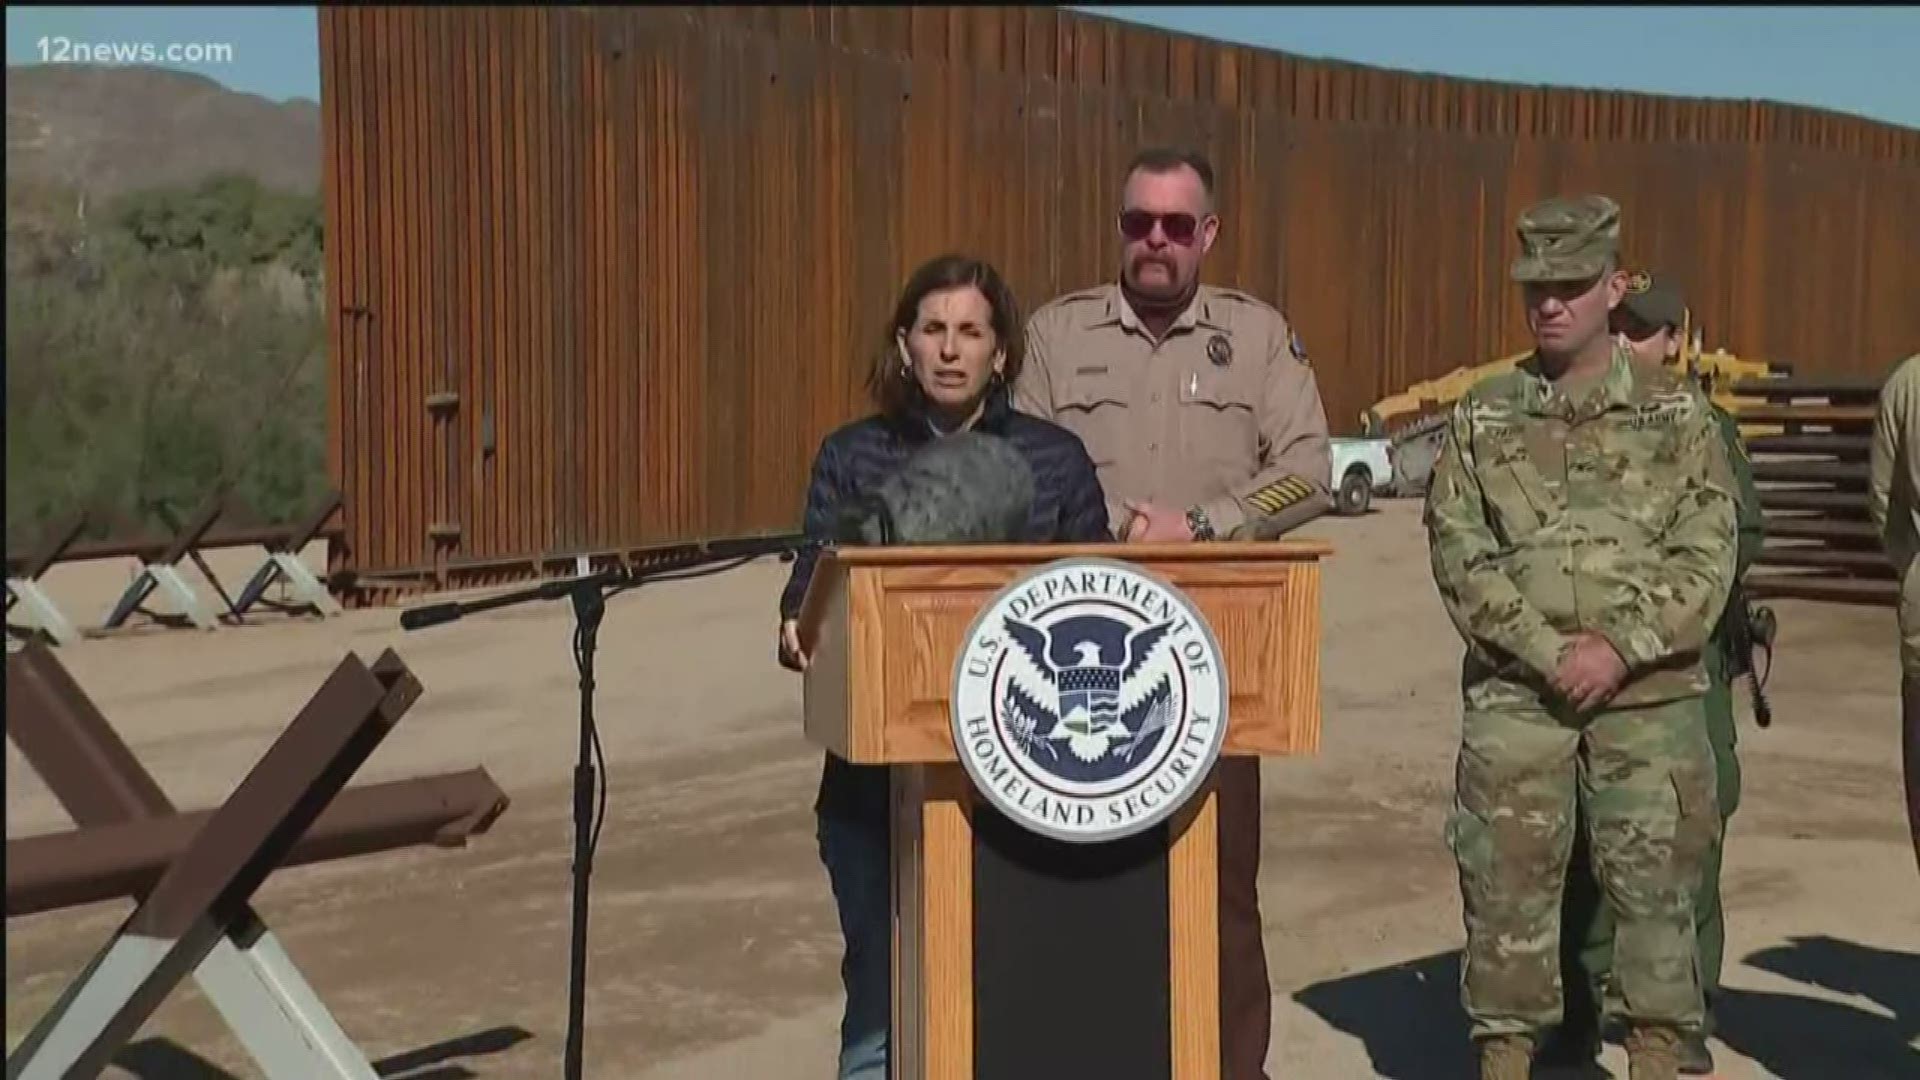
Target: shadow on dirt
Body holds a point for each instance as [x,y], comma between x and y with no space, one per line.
[1798,1038]
[1409,1017]
[164,1059]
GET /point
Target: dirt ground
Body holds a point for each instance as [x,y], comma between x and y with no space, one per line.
[714,947]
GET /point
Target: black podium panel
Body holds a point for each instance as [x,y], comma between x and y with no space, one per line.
[1070,962]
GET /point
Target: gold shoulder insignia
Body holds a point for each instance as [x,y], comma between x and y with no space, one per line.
[1282,493]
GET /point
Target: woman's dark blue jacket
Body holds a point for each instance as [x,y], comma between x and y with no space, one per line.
[1068,507]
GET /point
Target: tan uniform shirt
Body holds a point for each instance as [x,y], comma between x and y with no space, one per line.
[1893,495]
[1224,414]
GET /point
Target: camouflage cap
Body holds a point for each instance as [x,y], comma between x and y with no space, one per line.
[1654,299]
[1567,239]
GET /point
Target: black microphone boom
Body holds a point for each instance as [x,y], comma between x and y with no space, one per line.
[431,615]
[589,595]
[658,565]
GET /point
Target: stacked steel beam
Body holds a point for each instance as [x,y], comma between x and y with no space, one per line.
[1809,440]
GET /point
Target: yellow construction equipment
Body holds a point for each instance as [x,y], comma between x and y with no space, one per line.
[1422,399]
[1718,371]
[1410,421]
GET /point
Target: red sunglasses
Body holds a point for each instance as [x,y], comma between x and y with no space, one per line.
[1180,228]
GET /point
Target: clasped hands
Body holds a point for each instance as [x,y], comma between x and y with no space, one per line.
[1589,672]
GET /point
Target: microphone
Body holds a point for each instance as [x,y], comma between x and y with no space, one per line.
[968,488]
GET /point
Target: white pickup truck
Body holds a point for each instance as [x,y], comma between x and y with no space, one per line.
[1361,466]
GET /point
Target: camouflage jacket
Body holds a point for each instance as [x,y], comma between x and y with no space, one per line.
[1612,514]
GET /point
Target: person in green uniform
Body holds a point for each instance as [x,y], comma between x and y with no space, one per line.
[1649,319]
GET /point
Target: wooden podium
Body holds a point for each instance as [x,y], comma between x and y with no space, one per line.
[1016,955]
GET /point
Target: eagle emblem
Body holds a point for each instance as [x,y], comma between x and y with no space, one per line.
[1082,704]
[1089,700]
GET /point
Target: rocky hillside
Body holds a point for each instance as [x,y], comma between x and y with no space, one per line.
[106,129]
[163,251]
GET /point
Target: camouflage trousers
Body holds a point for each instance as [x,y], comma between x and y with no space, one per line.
[1587,924]
[1644,778]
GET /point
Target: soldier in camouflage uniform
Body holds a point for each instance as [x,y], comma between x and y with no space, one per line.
[1650,319]
[1581,527]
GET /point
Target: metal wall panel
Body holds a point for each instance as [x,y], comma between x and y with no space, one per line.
[651,250]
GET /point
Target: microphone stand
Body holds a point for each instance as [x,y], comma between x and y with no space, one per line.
[589,596]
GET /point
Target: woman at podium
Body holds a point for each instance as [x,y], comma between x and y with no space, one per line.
[950,351]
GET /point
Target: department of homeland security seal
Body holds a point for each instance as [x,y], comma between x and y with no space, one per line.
[1089,701]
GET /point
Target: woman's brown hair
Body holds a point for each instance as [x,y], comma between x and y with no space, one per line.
[894,389]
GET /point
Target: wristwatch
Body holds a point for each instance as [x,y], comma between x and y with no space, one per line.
[1201,525]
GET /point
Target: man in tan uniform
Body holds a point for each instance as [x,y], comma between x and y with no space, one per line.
[1204,420]
[1894,501]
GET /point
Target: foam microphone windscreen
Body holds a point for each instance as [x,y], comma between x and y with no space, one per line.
[967,488]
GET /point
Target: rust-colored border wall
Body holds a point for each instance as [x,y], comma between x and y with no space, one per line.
[601,279]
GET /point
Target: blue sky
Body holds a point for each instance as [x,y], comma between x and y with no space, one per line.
[1853,59]
[275,50]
